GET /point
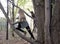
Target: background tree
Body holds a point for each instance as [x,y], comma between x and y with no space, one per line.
[55,23]
[48,12]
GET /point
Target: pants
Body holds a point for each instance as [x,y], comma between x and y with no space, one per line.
[24,24]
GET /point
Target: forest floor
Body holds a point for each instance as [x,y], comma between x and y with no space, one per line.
[12,40]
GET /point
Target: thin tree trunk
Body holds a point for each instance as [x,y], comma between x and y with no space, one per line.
[13,18]
[7,21]
[47,22]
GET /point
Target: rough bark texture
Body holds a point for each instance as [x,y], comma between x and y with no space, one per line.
[39,13]
[47,22]
[55,24]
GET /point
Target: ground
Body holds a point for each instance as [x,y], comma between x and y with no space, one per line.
[11,40]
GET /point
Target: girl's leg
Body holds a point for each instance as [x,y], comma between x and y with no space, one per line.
[19,28]
[28,29]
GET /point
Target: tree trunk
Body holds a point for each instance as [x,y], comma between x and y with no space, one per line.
[7,20]
[39,13]
[12,17]
[55,23]
[47,22]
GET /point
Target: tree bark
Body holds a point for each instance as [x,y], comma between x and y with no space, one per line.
[55,23]
[7,21]
[47,22]
[39,13]
[12,17]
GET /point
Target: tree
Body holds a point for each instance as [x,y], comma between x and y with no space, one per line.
[55,23]
[47,22]
[39,13]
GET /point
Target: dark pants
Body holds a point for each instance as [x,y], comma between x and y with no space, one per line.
[19,27]
[21,24]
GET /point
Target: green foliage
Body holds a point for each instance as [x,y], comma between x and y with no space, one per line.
[22,2]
